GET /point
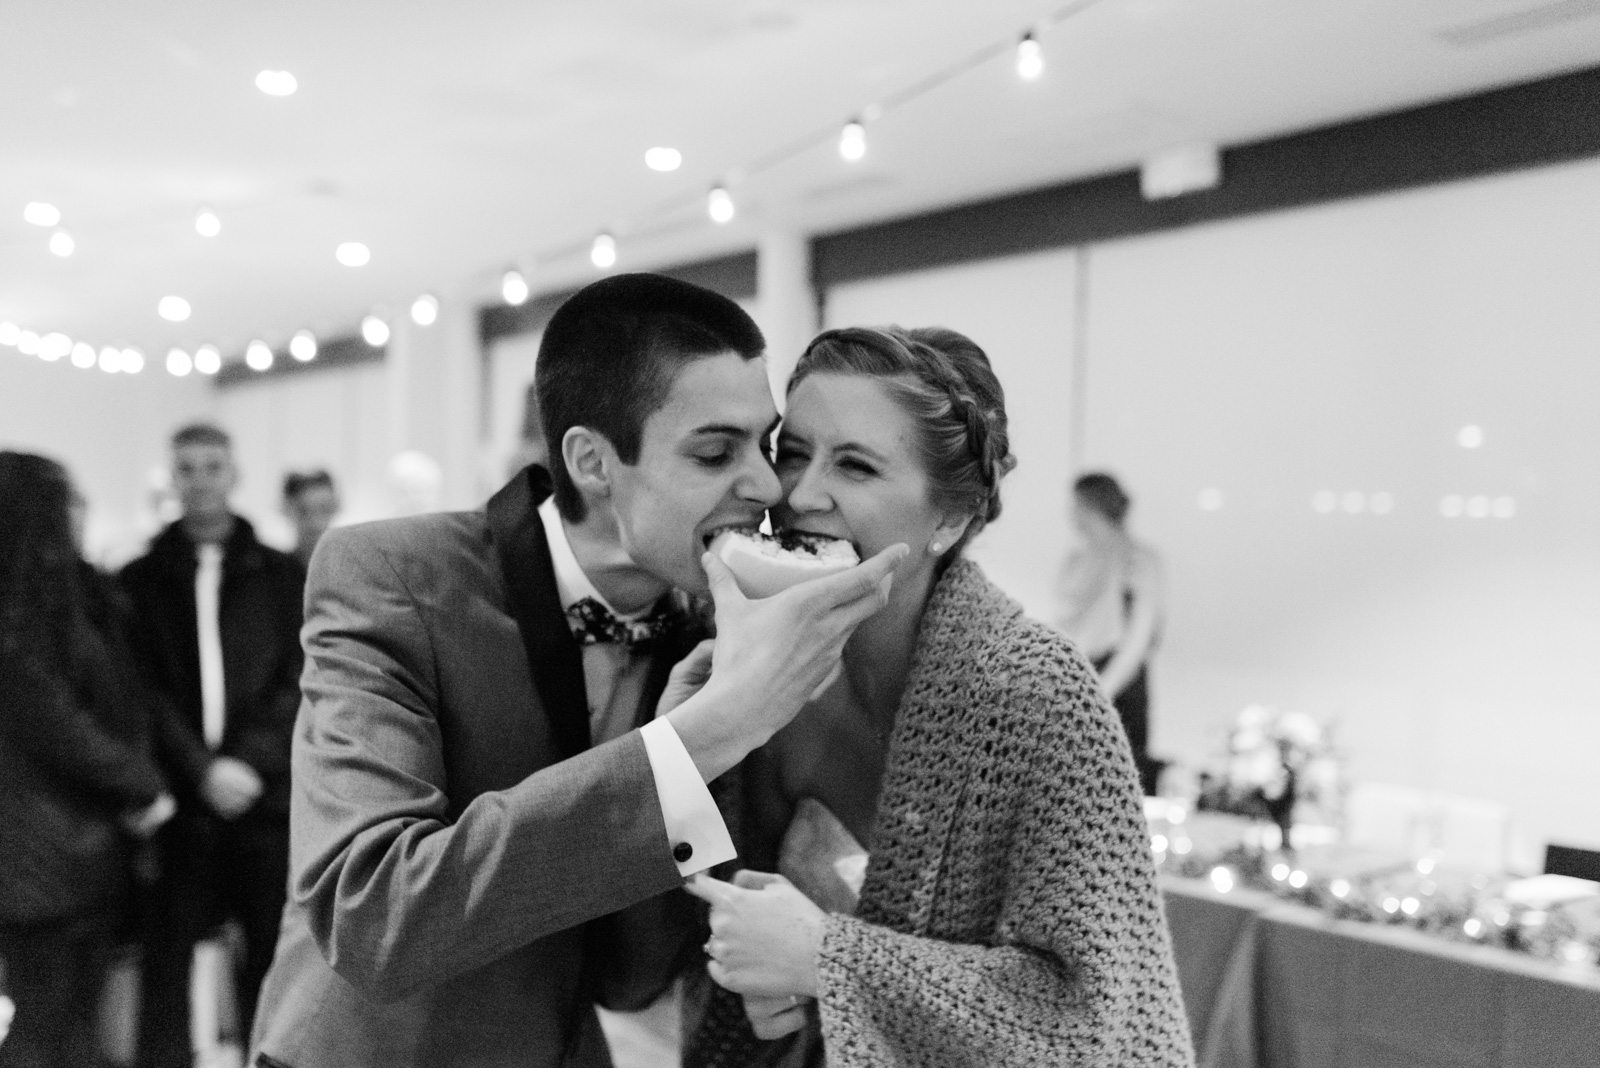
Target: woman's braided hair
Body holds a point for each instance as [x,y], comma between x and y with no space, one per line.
[944,382]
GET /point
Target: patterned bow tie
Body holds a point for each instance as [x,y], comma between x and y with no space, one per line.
[592,622]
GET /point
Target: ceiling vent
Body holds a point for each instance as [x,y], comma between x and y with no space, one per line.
[1512,23]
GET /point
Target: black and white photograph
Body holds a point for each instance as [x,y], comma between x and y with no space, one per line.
[800,534]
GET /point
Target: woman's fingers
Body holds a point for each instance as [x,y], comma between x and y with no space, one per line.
[746,879]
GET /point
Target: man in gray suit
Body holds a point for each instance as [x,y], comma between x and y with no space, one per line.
[489,827]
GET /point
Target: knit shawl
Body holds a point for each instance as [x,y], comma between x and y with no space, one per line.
[1010,913]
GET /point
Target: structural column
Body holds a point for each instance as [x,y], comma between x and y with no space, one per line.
[433,376]
[786,304]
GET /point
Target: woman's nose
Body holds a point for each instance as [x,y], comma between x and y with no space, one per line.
[807,494]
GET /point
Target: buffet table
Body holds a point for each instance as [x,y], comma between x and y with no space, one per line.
[1275,984]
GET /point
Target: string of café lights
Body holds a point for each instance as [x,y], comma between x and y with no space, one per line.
[720,203]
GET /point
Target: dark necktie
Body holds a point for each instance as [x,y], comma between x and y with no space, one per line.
[592,622]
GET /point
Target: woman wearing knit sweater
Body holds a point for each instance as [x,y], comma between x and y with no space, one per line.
[1008,914]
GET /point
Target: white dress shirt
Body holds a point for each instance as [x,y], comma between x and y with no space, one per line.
[207,602]
[614,678]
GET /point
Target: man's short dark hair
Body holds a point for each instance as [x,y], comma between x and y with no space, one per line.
[201,434]
[297,482]
[609,356]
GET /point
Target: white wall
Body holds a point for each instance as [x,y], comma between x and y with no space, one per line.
[1338,347]
[336,419]
[110,430]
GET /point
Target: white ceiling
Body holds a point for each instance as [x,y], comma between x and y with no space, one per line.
[458,139]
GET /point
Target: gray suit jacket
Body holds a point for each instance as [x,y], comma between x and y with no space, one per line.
[457,846]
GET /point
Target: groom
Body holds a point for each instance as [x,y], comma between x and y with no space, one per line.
[483,834]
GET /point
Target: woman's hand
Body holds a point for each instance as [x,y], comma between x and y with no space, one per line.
[772,1018]
[765,935]
[688,676]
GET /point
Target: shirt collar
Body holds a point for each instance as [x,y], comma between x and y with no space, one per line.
[572,585]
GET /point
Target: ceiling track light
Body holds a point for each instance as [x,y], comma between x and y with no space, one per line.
[374,331]
[303,346]
[853,141]
[61,244]
[207,359]
[514,288]
[719,205]
[178,363]
[258,356]
[603,254]
[207,223]
[1030,58]
[425,310]
[39,213]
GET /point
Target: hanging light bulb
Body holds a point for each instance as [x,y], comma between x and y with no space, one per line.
[303,346]
[61,243]
[514,288]
[258,355]
[110,360]
[54,346]
[853,140]
[1030,58]
[719,205]
[425,310]
[207,360]
[375,331]
[83,355]
[178,363]
[604,252]
[207,224]
[132,361]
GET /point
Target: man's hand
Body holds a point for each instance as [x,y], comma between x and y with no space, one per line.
[765,935]
[688,676]
[772,1018]
[772,654]
[230,787]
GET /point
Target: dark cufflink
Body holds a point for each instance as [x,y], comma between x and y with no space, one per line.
[682,852]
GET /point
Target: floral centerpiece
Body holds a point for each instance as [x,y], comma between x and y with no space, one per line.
[1280,766]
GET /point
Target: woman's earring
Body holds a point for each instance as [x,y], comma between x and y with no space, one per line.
[936,547]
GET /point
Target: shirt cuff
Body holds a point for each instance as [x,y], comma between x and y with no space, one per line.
[695,832]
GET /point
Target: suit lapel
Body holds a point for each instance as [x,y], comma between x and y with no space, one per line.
[554,658]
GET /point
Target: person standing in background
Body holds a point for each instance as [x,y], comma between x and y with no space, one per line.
[310,500]
[1112,603]
[218,617]
[77,780]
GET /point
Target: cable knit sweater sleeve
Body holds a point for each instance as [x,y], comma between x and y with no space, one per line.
[1010,915]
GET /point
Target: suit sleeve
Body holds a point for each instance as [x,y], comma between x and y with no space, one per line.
[398,893]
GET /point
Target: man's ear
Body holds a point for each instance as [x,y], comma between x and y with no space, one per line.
[589,458]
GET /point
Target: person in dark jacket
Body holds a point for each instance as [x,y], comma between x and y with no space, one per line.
[78,780]
[218,617]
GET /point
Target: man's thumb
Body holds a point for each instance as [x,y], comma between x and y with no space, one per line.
[724,587]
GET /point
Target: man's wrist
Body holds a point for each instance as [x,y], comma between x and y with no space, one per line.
[708,726]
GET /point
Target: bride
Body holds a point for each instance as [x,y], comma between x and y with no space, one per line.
[947,850]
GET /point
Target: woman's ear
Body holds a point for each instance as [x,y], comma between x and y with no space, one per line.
[948,532]
[588,456]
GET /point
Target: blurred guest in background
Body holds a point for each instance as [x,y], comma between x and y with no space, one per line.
[77,780]
[310,500]
[218,618]
[1112,598]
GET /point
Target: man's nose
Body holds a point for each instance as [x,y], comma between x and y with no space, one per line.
[760,482]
